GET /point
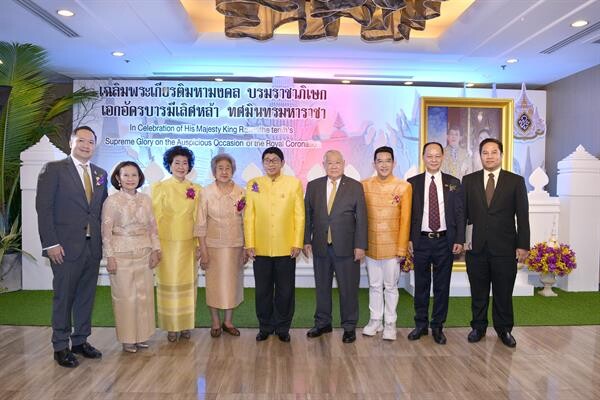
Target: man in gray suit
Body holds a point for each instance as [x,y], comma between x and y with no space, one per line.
[336,235]
[70,193]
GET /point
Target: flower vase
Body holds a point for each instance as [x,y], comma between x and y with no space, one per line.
[548,279]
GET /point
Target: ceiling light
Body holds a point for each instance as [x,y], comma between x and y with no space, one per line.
[346,81]
[218,79]
[408,83]
[579,23]
[65,13]
[1,62]
[469,84]
[512,60]
[118,53]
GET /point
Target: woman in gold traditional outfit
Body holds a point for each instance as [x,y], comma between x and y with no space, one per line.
[175,202]
[131,246]
[221,237]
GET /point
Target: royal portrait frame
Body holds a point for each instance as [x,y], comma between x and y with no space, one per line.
[498,113]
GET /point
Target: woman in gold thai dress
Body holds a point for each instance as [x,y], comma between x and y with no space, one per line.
[131,246]
[221,237]
[175,202]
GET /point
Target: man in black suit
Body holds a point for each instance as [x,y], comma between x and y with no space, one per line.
[493,198]
[336,235]
[70,193]
[437,233]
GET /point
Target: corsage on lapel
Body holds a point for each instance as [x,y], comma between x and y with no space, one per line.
[100,178]
[396,200]
[450,187]
[190,193]
[255,187]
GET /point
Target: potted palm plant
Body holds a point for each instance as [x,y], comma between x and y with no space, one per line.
[29,113]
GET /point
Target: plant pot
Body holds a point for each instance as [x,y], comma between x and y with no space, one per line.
[547,280]
[11,273]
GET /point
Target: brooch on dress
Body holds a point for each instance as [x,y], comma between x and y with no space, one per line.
[190,193]
[240,204]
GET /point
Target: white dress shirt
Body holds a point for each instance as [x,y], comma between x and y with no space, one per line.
[440,195]
[486,176]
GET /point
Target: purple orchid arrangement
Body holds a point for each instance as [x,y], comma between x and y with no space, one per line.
[190,193]
[551,257]
[407,265]
[396,200]
[255,187]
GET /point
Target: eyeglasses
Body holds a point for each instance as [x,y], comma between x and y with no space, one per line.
[272,161]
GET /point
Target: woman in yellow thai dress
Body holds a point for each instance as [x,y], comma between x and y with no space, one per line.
[175,202]
[221,237]
[131,247]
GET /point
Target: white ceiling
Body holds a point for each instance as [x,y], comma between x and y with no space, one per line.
[159,39]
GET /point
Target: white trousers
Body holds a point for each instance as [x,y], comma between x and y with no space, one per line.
[383,288]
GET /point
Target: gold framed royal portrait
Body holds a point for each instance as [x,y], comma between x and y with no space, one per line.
[459,124]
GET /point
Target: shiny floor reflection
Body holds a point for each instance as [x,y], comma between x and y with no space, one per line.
[548,363]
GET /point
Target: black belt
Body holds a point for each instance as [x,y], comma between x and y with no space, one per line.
[433,235]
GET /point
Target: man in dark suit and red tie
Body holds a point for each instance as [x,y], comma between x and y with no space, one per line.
[336,235]
[70,193]
[493,198]
[437,233]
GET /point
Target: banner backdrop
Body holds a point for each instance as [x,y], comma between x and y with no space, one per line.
[140,119]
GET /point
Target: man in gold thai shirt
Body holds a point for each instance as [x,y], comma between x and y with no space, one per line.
[388,213]
[274,235]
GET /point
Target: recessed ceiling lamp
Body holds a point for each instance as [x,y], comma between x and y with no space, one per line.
[512,60]
[346,81]
[218,79]
[1,62]
[65,13]
[118,53]
[579,23]
[469,84]
[408,83]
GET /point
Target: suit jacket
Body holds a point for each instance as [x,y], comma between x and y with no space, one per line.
[63,210]
[495,225]
[348,218]
[453,209]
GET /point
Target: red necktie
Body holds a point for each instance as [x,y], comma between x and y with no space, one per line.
[434,207]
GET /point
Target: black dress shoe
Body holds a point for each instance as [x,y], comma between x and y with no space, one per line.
[475,335]
[416,333]
[349,336]
[508,339]
[315,331]
[438,335]
[65,358]
[262,335]
[284,337]
[86,350]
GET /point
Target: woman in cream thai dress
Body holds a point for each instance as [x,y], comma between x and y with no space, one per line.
[131,246]
[175,202]
[221,237]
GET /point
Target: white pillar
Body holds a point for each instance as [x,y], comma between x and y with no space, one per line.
[544,212]
[36,273]
[578,187]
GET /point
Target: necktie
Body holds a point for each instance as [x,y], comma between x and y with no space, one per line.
[87,183]
[434,207]
[329,205]
[489,188]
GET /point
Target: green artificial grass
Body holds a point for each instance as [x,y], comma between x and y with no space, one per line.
[569,308]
